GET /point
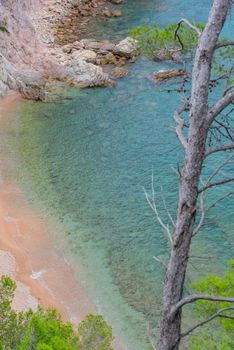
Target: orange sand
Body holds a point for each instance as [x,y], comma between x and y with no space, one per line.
[27,254]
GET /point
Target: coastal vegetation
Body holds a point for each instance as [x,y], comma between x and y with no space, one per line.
[173,38]
[216,326]
[45,329]
[3,29]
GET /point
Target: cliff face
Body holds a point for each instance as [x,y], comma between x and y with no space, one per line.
[21,49]
[21,43]
[28,53]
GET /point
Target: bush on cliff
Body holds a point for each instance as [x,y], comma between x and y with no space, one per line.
[217,334]
[45,329]
[153,39]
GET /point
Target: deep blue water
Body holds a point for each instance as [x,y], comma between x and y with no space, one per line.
[87,160]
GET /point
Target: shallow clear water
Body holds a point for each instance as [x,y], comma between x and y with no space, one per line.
[88,159]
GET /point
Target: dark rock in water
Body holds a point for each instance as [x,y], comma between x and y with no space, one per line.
[116,2]
[168,74]
[116,13]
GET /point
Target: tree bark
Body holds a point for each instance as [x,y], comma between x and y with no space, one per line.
[170,325]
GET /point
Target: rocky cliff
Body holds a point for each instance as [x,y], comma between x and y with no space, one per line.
[28,54]
[32,50]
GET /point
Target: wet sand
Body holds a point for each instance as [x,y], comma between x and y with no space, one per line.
[27,253]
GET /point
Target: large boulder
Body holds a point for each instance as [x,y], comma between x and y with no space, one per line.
[83,74]
[85,55]
[128,47]
[28,82]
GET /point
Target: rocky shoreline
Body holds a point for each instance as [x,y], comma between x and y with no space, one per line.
[34,52]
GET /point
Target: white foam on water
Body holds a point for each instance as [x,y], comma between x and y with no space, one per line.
[37,274]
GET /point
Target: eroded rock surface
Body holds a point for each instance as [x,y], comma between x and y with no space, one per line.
[30,54]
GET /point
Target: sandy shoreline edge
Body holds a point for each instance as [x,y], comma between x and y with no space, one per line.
[27,253]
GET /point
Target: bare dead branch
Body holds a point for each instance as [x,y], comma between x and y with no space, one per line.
[220,149]
[177,37]
[176,170]
[204,211]
[229,194]
[151,339]
[152,203]
[190,25]
[224,125]
[221,104]
[228,88]
[194,297]
[217,170]
[203,215]
[218,183]
[180,126]
[203,257]
[159,260]
[210,318]
[165,207]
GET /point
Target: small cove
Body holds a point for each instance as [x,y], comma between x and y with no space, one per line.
[87,160]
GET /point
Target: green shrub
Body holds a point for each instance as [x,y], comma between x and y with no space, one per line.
[217,334]
[45,329]
[153,38]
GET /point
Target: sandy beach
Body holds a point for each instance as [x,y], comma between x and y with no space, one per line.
[27,253]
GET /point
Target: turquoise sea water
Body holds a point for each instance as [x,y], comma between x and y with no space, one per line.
[86,161]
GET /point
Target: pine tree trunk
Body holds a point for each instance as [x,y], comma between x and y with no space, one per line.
[170,325]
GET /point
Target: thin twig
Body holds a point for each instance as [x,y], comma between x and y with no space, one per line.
[203,215]
[165,206]
[218,183]
[180,126]
[229,194]
[156,258]
[219,149]
[152,203]
[221,104]
[190,25]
